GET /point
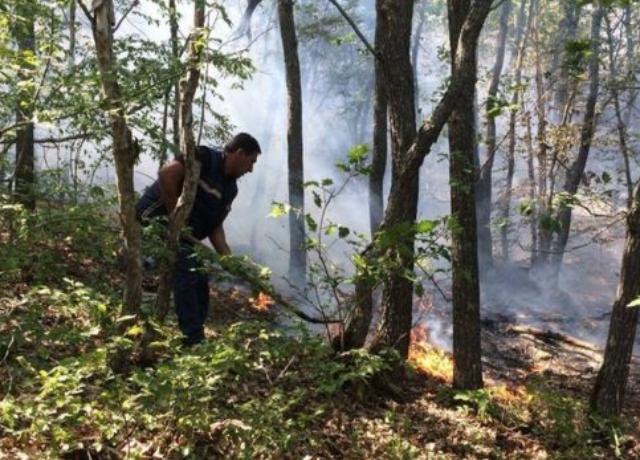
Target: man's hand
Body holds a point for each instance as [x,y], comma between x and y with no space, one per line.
[171,177]
[219,241]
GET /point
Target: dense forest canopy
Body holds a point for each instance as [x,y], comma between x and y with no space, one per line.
[443,222]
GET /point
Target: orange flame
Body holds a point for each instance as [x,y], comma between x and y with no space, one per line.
[261,303]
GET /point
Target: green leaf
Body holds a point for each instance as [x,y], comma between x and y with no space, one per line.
[343,232]
[134,331]
[426,226]
[358,153]
[311,223]
[634,303]
[317,200]
[279,209]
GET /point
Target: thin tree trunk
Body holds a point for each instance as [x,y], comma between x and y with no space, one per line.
[609,390]
[520,46]
[163,136]
[467,370]
[415,53]
[485,182]
[177,219]
[543,209]
[567,32]
[175,54]
[72,34]
[620,124]
[394,329]
[631,46]
[531,173]
[297,252]
[379,154]
[24,192]
[124,153]
[576,169]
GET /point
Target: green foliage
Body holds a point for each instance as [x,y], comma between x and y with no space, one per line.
[496,104]
[356,161]
[43,246]
[480,399]
[577,55]
[549,223]
[250,391]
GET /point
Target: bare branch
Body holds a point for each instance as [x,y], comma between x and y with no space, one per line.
[86,11]
[131,7]
[355,28]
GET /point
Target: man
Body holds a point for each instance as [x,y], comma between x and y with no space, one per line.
[216,191]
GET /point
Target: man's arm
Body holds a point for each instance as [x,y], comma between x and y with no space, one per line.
[219,241]
[170,179]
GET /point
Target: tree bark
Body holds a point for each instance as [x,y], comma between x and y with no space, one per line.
[543,208]
[379,153]
[297,252]
[520,46]
[24,192]
[177,219]
[609,390]
[567,32]
[175,54]
[485,182]
[620,124]
[576,169]
[394,21]
[394,329]
[415,53]
[124,154]
[467,371]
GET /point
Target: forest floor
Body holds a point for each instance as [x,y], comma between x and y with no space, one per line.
[255,389]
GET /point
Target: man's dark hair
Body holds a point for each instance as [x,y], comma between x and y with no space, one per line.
[243,141]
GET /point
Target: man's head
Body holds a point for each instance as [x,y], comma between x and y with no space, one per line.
[240,153]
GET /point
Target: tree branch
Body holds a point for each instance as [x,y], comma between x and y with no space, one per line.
[86,11]
[355,28]
[131,7]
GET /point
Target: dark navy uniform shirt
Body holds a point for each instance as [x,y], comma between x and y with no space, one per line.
[213,199]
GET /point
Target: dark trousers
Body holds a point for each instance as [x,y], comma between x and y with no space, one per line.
[191,295]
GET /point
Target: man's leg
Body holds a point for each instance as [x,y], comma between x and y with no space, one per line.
[188,296]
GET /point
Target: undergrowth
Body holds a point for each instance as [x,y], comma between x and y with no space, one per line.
[254,389]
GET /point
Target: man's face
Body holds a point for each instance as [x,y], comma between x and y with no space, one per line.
[242,163]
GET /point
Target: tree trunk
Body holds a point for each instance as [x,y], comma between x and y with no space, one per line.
[620,124]
[379,154]
[297,252]
[415,53]
[396,319]
[485,182]
[568,29]
[531,175]
[175,54]
[124,154]
[72,34]
[519,49]
[543,208]
[394,20]
[24,191]
[467,371]
[576,169]
[609,391]
[177,219]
